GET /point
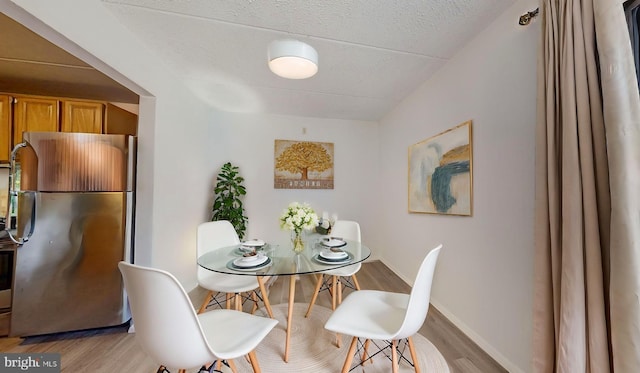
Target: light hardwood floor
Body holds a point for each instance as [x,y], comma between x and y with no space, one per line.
[114,350]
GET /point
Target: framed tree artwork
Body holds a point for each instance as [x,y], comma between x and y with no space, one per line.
[440,173]
[303,165]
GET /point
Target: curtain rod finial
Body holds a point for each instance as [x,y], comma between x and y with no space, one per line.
[525,19]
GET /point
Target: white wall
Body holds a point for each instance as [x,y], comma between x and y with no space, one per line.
[172,136]
[247,140]
[484,276]
[183,143]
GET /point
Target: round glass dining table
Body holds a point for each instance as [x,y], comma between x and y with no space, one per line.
[282,261]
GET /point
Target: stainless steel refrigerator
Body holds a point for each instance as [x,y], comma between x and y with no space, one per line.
[73,195]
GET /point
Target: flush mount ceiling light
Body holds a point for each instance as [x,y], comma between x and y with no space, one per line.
[292,59]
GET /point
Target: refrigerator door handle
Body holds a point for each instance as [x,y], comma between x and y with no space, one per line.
[13,193]
[32,224]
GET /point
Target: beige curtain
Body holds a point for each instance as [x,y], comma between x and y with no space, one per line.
[622,121]
[587,208]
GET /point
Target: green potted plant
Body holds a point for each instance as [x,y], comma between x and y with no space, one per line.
[228,204]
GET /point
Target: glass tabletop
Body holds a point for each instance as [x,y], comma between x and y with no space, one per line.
[280,259]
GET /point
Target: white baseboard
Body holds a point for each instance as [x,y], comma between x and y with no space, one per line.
[476,338]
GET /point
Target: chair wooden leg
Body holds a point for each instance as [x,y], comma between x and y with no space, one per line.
[232,365]
[254,362]
[355,282]
[334,287]
[339,296]
[265,295]
[414,356]
[315,295]
[394,356]
[182,371]
[347,361]
[340,287]
[255,302]
[228,301]
[207,299]
[365,355]
[238,301]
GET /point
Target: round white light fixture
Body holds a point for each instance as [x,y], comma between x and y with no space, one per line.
[292,59]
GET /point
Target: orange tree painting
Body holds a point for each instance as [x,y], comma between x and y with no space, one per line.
[303,165]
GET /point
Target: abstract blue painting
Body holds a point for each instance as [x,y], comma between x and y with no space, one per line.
[440,173]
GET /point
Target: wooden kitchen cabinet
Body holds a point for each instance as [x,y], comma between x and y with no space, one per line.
[82,116]
[120,122]
[35,114]
[5,128]
[21,113]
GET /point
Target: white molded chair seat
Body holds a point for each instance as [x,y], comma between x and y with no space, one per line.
[340,277]
[169,330]
[214,235]
[246,331]
[228,284]
[382,315]
[344,271]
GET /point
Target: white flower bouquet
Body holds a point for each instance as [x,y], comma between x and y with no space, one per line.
[298,217]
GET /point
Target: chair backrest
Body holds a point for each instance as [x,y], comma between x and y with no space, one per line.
[420,296]
[213,235]
[347,229]
[166,324]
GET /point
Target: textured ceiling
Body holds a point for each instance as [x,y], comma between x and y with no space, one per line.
[372,53]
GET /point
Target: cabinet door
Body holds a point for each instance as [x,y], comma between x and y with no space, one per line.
[81,116]
[5,128]
[35,115]
[120,122]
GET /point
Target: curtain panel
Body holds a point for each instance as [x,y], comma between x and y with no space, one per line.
[632,12]
[621,104]
[587,211]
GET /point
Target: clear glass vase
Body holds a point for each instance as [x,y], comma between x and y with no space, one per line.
[297,241]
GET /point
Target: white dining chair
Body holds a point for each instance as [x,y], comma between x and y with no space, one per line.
[174,336]
[214,235]
[338,278]
[381,315]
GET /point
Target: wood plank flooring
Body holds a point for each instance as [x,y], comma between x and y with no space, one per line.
[114,350]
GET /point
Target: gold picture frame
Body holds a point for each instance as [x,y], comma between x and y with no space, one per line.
[441,173]
[303,165]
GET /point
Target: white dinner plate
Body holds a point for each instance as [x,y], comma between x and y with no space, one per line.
[333,243]
[265,264]
[333,255]
[250,261]
[241,250]
[322,260]
[246,249]
[253,243]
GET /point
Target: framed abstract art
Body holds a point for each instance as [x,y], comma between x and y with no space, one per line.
[441,173]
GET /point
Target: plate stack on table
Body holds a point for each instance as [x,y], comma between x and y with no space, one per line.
[250,262]
[332,253]
[250,246]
